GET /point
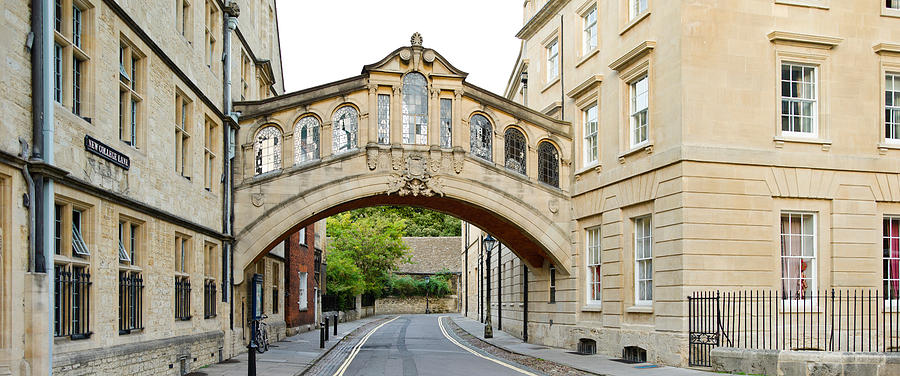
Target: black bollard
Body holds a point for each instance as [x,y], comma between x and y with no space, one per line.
[326,328]
[335,325]
[251,359]
[321,336]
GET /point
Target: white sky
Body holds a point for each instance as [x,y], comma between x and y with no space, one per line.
[328,40]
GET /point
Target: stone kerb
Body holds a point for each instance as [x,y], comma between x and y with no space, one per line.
[268,210]
[784,362]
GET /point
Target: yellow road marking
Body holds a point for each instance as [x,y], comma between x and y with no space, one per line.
[441,324]
[346,364]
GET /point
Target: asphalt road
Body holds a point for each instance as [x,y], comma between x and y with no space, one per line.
[418,345]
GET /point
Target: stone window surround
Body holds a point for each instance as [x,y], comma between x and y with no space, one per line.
[583,12]
[210,151]
[883,211]
[184,20]
[183,127]
[552,40]
[589,264]
[638,65]
[889,64]
[629,293]
[66,256]
[626,20]
[821,4]
[131,89]
[821,209]
[64,39]
[211,29]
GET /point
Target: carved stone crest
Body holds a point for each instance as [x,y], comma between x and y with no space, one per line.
[415,180]
[459,157]
[257,199]
[372,157]
[396,158]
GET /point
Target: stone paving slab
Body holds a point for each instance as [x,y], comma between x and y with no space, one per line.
[288,357]
[599,364]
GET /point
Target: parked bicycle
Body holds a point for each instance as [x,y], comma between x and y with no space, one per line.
[261,338]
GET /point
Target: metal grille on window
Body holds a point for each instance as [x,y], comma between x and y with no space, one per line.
[306,140]
[344,125]
[548,164]
[209,298]
[514,150]
[182,298]
[131,291]
[384,119]
[480,137]
[268,150]
[415,109]
[72,302]
[446,123]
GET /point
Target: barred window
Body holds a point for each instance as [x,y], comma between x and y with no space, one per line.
[480,137]
[514,150]
[72,277]
[384,119]
[306,140]
[446,123]
[345,124]
[210,273]
[131,292]
[303,302]
[268,149]
[548,164]
[415,109]
[182,277]
[552,283]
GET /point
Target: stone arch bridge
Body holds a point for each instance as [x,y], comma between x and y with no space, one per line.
[388,137]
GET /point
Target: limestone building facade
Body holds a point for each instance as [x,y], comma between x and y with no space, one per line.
[711,139]
[138,220]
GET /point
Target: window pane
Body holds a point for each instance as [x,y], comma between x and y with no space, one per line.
[306,141]
[480,137]
[345,124]
[548,164]
[384,119]
[446,123]
[415,109]
[515,150]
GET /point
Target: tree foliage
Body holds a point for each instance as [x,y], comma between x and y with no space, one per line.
[417,221]
[372,244]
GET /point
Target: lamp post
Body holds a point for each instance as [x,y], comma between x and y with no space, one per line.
[488,243]
[427,291]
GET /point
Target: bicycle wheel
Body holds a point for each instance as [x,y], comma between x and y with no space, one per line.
[261,345]
[266,340]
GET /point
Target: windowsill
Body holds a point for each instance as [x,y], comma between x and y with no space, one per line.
[635,21]
[209,317]
[183,318]
[130,268]
[592,307]
[646,146]
[640,309]
[73,337]
[883,147]
[587,56]
[267,174]
[550,84]
[131,331]
[888,12]
[780,140]
[821,4]
[595,166]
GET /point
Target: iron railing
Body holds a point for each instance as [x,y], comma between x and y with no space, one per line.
[72,302]
[332,303]
[182,298]
[131,292]
[832,320]
[209,299]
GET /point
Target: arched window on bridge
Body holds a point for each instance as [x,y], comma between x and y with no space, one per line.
[480,137]
[514,150]
[306,139]
[415,109]
[548,164]
[345,124]
[267,149]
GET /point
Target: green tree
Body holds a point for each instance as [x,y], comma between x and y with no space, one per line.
[372,243]
[418,221]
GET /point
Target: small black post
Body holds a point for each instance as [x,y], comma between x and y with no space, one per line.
[251,358]
[321,336]
[335,325]
[326,328]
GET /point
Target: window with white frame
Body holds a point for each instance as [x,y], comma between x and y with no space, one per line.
[643,261]
[267,149]
[301,235]
[589,19]
[636,8]
[892,107]
[892,4]
[594,274]
[303,297]
[798,255]
[590,135]
[306,139]
[639,111]
[799,103]
[552,60]
[891,258]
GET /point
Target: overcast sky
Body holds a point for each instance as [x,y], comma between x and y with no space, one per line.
[328,40]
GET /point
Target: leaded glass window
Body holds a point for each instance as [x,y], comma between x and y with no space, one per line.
[514,150]
[415,109]
[548,164]
[306,140]
[267,149]
[446,123]
[384,119]
[480,137]
[345,123]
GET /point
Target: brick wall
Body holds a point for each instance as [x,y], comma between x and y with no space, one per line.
[300,258]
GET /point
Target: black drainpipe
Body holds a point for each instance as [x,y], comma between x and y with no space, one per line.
[466,270]
[562,81]
[525,300]
[499,287]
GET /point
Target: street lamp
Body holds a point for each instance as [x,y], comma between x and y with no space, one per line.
[427,291]
[488,242]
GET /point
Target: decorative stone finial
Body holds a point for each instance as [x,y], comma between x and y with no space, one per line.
[416,39]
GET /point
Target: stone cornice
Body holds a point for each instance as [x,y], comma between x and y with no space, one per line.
[882,48]
[315,93]
[583,87]
[637,52]
[554,126]
[541,18]
[803,40]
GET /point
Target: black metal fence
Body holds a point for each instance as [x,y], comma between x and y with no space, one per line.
[131,291]
[338,303]
[209,298]
[72,302]
[368,300]
[182,298]
[833,320]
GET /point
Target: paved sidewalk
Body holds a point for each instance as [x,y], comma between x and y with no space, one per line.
[287,357]
[599,364]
